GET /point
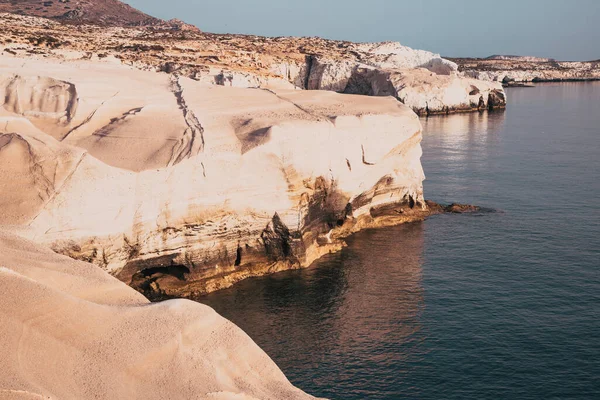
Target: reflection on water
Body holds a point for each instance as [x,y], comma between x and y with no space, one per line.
[465,135]
[487,306]
[360,307]
[466,140]
[471,126]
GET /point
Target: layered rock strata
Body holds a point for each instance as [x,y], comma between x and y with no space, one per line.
[179,188]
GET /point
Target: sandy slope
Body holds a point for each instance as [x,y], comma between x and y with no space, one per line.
[70,331]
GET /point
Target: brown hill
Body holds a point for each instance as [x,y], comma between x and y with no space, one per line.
[95,12]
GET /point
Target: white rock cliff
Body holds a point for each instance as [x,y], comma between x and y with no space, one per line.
[179,188]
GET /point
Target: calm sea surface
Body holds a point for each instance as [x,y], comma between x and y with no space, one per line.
[498,305]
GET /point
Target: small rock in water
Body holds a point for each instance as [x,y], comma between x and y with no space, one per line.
[461,208]
[456,208]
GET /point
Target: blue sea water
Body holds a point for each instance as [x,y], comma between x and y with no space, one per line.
[494,305]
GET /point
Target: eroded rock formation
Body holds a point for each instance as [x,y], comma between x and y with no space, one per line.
[182,162]
[180,188]
[428,93]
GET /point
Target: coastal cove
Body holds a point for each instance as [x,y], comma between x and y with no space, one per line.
[207,202]
[496,305]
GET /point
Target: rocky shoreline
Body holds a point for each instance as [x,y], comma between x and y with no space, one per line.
[142,152]
[285,249]
[252,155]
[158,283]
[230,182]
[509,70]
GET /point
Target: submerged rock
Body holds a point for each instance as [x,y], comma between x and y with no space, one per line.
[454,208]
[461,208]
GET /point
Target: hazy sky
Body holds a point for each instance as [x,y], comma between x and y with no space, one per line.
[563,29]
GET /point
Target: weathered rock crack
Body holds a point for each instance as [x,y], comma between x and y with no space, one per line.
[192,141]
[299,107]
[88,118]
[115,122]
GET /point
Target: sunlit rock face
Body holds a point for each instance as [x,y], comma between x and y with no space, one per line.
[419,79]
[393,55]
[180,188]
[71,331]
[328,72]
[422,80]
[427,93]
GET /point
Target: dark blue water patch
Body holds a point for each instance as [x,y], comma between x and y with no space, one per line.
[496,305]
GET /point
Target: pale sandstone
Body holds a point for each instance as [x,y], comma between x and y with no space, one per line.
[71,331]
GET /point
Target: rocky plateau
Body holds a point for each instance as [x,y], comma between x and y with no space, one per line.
[251,154]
